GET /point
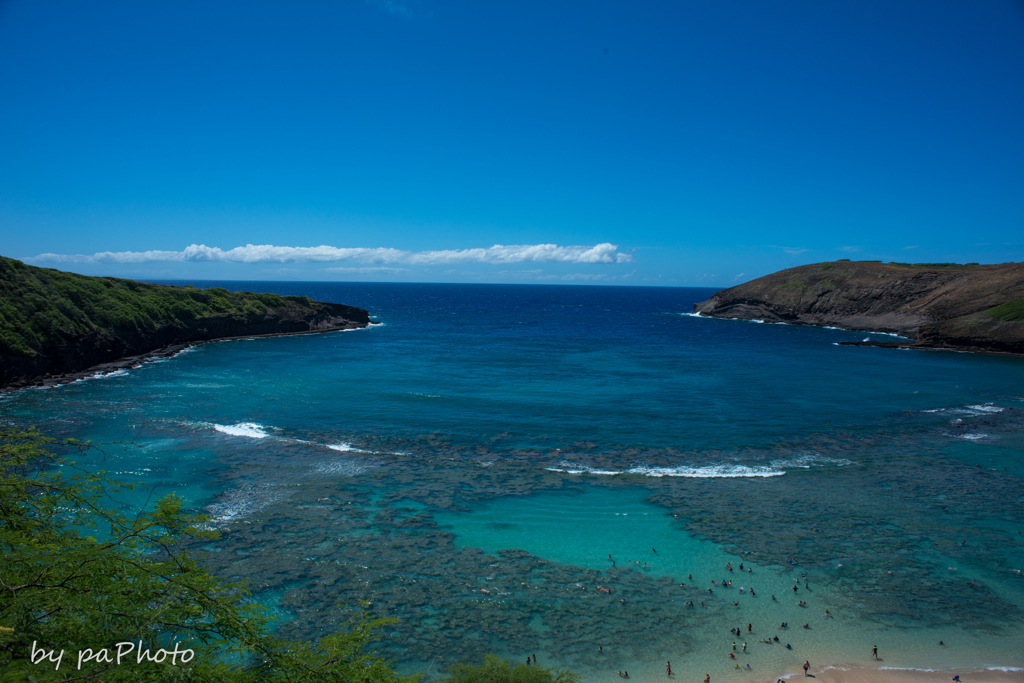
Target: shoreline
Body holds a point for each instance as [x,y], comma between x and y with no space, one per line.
[883,674]
[914,345]
[162,353]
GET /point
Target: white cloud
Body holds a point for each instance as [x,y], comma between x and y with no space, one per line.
[268,253]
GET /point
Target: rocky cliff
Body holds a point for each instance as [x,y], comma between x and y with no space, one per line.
[55,324]
[949,306]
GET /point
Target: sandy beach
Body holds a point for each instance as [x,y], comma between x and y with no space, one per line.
[893,675]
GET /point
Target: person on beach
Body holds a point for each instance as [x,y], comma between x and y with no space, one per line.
[744,647]
[668,669]
[750,627]
[874,652]
[807,665]
[707,678]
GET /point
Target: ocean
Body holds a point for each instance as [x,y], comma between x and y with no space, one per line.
[590,475]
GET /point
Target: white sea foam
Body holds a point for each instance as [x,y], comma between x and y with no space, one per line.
[695,315]
[120,372]
[576,468]
[368,327]
[721,471]
[707,472]
[986,408]
[249,429]
[345,447]
[971,437]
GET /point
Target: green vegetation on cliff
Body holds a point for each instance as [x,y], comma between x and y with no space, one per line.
[38,305]
[1011,310]
[935,266]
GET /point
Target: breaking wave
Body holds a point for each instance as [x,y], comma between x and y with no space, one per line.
[249,429]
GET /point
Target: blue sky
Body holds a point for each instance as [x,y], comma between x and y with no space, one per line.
[674,143]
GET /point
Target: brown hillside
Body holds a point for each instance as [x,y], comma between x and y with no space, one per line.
[937,305]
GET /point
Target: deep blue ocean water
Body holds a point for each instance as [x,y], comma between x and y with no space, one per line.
[470,464]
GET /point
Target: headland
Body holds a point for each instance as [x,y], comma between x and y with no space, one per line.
[962,307]
[56,327]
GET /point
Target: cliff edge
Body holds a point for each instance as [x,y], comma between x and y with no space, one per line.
[940,306]
[55,324]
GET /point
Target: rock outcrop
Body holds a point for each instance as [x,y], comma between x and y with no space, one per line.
[939,306]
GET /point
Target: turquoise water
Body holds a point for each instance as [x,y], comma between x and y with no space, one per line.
[469,465]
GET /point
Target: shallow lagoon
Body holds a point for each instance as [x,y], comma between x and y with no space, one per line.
[507,439]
